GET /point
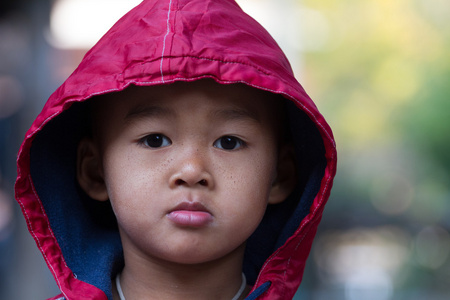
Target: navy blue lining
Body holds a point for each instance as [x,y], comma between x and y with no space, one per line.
[92,250]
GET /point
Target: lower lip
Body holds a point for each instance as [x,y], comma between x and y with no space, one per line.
[190,218]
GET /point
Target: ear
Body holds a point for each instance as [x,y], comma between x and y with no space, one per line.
[286,178]
[89,170]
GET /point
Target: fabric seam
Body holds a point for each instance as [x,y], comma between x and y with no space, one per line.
[36,237]
[298,230]
[164,40]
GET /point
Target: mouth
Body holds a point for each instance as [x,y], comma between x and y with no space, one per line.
[190,214]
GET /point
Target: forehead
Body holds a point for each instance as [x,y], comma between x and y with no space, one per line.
[233,101]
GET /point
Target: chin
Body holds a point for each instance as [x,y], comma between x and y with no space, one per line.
[190,257]
[194,256]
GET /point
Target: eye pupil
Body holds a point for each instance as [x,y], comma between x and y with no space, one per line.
[228,142]
[154,140]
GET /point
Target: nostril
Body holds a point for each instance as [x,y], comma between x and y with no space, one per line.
[179,182]
[202,182]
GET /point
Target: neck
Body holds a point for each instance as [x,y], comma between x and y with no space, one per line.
[150,278]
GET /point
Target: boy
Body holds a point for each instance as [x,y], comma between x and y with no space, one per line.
[163,167]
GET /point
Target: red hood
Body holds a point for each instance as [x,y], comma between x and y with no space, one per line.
[160,42]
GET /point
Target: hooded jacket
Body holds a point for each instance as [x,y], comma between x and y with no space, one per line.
[160,42]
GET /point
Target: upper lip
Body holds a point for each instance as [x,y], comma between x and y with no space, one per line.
[190,206]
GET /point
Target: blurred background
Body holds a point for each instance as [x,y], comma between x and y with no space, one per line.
[379,70]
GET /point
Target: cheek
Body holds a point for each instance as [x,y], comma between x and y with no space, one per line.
[251,184]
[127,180]
[260,172]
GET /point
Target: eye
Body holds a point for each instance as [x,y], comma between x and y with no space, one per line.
[156,140]
[229,143]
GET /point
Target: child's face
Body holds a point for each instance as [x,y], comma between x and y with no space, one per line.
[188,167]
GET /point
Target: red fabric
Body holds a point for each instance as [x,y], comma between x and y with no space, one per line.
[164,41]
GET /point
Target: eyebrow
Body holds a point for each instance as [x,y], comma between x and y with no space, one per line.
[236,114]
[146,111]
[151,111]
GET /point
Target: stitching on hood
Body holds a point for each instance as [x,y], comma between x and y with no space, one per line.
[164,41]
[226,62]
[312,223]
[45,215]
[298,230]
[35,236]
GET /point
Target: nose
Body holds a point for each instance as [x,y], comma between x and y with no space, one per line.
[191,172]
